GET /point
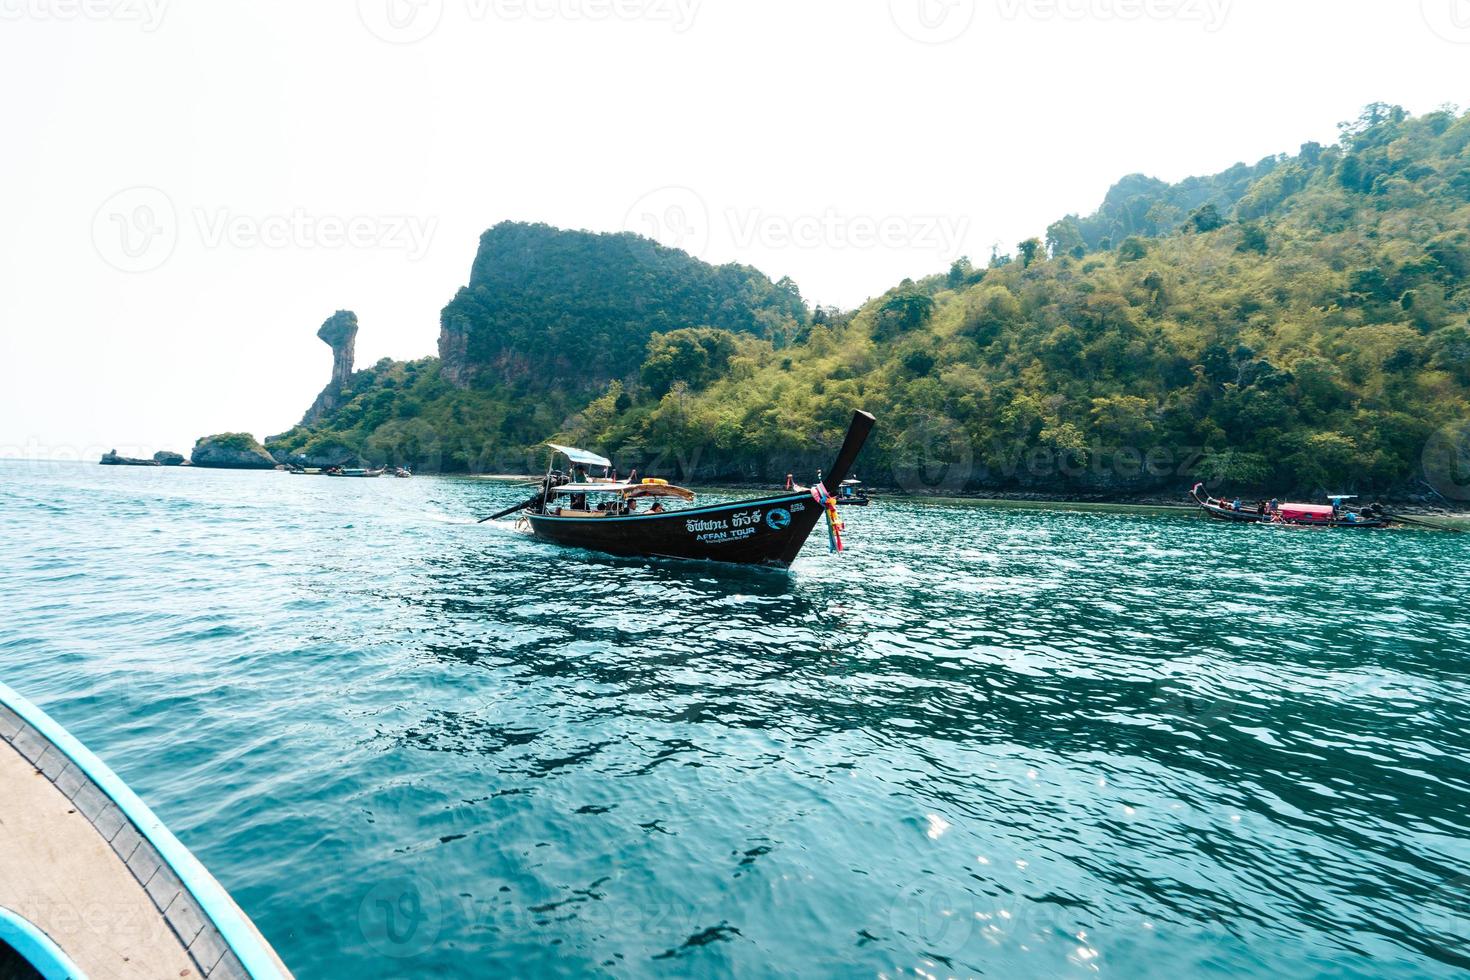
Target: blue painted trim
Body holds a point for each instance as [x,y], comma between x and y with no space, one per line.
[36,948]
[236,930]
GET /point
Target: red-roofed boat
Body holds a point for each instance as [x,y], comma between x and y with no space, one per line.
[1335,515]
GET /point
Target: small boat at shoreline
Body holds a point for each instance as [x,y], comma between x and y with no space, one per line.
[353,472]
[74,840]
[609,517]
[1336,514]
[852,493]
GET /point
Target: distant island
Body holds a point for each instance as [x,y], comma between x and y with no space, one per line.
[1296,324]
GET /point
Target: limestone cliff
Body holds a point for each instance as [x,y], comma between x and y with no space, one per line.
[340,333]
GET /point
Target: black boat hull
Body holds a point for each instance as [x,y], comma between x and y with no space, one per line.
[750,532]
[767,531]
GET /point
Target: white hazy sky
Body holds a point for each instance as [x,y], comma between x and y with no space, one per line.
[189,187]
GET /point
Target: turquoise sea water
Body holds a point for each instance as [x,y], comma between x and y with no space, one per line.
[998,741]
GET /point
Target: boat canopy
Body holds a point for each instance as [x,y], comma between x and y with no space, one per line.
[629,490]
[1310,512]
[581,456]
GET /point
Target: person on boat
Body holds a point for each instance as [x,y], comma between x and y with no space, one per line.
[790,481]
[1275,506]
[657,508]
[1261,509]
[633,475]
[1236,505]
[579,473]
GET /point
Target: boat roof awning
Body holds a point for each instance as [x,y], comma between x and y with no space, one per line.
[1306,510]
[581,456]
[626,489]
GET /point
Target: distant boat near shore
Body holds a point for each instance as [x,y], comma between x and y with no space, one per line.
[1337,514]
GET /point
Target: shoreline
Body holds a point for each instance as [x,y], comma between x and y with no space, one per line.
[1409,505]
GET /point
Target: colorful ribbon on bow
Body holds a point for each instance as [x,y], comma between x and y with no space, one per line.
[834,520]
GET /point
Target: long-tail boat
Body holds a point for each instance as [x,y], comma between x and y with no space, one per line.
[1334,515]
[764,531]
[92,884]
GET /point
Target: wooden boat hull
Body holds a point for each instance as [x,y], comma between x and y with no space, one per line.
[1233,516]
[74,840]
[767,531]
[752,532]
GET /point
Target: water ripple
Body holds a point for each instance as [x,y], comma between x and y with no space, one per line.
[985,740]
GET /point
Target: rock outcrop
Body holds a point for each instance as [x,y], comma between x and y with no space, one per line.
[231,451]
[111,458]
[166,458]
[340,333]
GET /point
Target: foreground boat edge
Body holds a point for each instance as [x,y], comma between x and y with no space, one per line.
[97,790]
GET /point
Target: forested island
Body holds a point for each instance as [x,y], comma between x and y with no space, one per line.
[1298,324]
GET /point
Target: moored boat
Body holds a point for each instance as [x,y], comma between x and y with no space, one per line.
[91,882]
[610,517]
[1336,514]
[852,493]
